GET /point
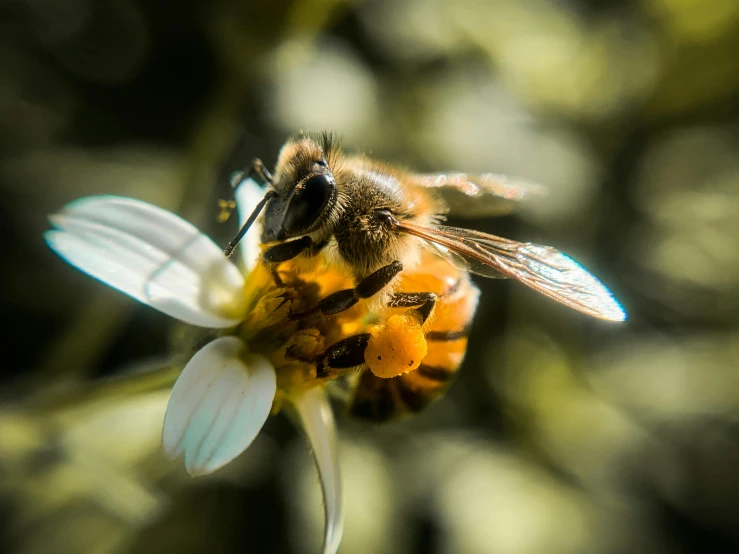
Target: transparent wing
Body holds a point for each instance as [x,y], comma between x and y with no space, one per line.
[483,195]
[543,268]
[464,263]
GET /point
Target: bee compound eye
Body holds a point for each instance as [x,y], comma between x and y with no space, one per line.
[309,201]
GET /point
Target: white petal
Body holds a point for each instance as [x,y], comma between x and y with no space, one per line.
[317,420]
[153,256]
[248,194]
[218,405]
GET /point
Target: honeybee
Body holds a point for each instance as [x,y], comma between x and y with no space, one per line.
[383,227]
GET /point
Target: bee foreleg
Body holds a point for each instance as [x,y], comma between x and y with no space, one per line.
[344,299]
[287,250]
[342,355]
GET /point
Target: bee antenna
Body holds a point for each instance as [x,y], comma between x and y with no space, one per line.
[248,223]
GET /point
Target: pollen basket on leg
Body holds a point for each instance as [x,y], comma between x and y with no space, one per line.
[397,346]
[389,391]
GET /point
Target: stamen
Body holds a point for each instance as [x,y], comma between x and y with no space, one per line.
[226,207]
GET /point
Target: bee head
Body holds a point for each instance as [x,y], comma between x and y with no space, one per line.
[305,187]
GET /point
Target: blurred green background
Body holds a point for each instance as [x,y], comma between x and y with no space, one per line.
[562,434]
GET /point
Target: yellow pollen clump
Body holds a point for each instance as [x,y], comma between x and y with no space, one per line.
[396,347]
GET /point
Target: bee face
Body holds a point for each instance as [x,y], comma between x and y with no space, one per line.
[344,202]
[305,187]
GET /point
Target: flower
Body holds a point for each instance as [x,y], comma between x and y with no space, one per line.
[229,388]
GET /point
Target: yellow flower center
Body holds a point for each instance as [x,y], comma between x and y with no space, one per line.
[292,343]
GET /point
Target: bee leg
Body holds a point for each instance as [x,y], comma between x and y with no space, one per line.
[292,249]
[340,356]
[257,168]
[342,300]
[425,302]
[287,250]
[350,352]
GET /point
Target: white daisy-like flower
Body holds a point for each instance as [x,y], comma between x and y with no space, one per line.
[228,389]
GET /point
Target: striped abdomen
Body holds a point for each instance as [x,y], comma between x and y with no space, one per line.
[379,399]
